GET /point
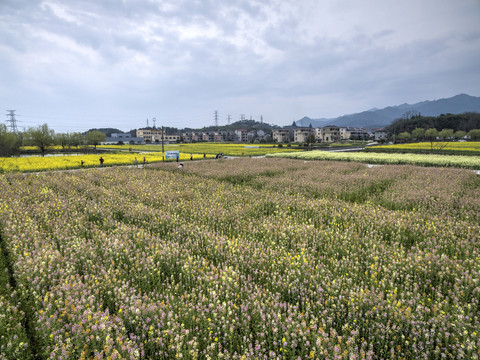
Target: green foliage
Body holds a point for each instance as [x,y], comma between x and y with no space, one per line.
[446,134]
[75,139]
[464,122]
[474,134]
[62,140]
[404,135]
[95,138]
[311,139]
[41,137]
[9,142]
[431,134]
[418,133]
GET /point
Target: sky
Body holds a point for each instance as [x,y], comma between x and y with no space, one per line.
[81,64]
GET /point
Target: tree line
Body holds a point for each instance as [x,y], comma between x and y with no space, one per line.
[42,137]
[456,122]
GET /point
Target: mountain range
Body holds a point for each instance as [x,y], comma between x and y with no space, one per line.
[377,118]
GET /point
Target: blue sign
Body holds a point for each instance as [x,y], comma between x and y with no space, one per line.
[172,154]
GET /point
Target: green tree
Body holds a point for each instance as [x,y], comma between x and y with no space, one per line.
[95,138]
[460,134]
[404,136]
[62,139]
[431,134]
[311,139]
[474,134]
[41,137]
[9,142]
[418,133]
[446,134]
[75,139]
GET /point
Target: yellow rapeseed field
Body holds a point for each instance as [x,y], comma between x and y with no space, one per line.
[34,163]
[436,145]
[227,149]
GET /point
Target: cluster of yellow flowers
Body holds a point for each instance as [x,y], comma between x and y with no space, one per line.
[227,149]
[470,162]
[444,145]
[34,163]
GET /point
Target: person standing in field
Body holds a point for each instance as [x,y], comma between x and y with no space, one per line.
[101,161]
[144,161]
[81,163]
[204,155]
[191,157]
[136,162]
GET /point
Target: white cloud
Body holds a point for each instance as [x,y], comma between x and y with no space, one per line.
[290,58]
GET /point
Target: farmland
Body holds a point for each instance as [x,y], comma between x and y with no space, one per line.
[229,149]
[243,258]
[469,162]
[68,162]
[120,155]
[469,148]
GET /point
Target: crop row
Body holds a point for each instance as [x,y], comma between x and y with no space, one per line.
[233,259]
[34,163]
[443,145]
[229,149]
[470,162]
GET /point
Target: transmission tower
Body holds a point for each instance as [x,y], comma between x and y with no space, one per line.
[215,117]
[242,117]
[154,120]
[228,119]
[13,122]
[147,122]
[261,119]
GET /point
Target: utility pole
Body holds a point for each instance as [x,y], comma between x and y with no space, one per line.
[215,117]
[13,122]
[163,152]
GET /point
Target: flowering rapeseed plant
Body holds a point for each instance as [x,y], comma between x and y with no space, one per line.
[471,162]
[284,263]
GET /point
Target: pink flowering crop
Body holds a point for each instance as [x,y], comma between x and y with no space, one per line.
[244,258]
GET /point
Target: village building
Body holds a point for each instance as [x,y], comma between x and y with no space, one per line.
[330,133]
[301,134]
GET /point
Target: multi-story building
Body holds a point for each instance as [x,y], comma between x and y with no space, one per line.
[171,138]
[241,135]
[282,135]
[328,133]
[380,134]
[350,133]
[150,135]
[301,134]
[220,136]
[156,135]
[126,138]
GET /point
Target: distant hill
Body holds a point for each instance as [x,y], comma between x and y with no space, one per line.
[375,118]
[107,131]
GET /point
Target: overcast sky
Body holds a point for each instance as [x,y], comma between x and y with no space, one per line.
[79,64]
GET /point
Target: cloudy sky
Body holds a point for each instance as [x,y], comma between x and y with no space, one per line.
[78,64]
